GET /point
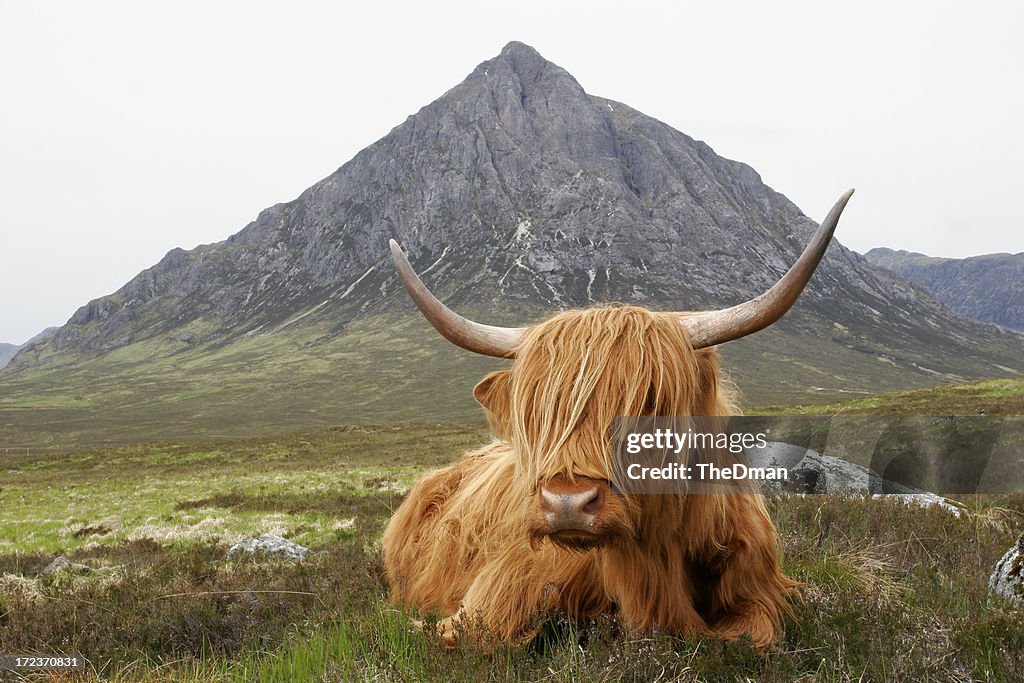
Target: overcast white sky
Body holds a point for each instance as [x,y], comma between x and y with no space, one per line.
[130,128]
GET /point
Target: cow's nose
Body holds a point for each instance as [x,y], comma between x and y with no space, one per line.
[571,510]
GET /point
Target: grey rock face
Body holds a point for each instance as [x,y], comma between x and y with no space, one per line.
[268,546]
[1007,579]
[988,287]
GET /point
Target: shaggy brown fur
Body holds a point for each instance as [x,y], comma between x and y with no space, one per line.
[471,542]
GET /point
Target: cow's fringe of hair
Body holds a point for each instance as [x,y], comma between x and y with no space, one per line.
[581,369]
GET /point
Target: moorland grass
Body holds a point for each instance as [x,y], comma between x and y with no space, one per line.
[893,592]
[378,368]
[987,397]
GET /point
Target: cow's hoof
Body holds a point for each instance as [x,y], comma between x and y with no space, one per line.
[758,627]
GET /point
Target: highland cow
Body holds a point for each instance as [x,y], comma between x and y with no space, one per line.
[530,524]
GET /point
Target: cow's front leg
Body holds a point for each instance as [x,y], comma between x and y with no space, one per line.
[499,604]
[653,590]
[508,599]
[751,596]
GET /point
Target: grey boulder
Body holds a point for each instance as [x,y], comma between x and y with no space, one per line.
[268,546]
[813,472]
[1008,578]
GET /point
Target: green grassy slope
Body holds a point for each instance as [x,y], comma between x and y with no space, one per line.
[259,385]
[378,369]
[989,397]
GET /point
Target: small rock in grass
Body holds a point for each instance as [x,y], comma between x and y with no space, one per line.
[62,564]
[1008,578]
[925,500]
[345,524]
[269,546]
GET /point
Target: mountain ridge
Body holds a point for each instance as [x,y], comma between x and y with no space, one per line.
[524,72]
[987,287]
[9,351]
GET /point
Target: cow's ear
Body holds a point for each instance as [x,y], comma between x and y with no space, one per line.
[493,394]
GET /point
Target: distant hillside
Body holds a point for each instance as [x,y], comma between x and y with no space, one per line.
[988,397]
[516,194]
[9,351]
[989,287]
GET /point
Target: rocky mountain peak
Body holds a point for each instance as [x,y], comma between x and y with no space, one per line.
[516,194]
[522,69]
[528,65]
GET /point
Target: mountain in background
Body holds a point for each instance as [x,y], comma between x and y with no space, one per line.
[8,351]
[988,287]
[516,194]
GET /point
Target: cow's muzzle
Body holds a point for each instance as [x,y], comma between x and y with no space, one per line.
[572,506]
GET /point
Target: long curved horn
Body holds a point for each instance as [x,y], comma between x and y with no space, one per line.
[717,327]
[488,340]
